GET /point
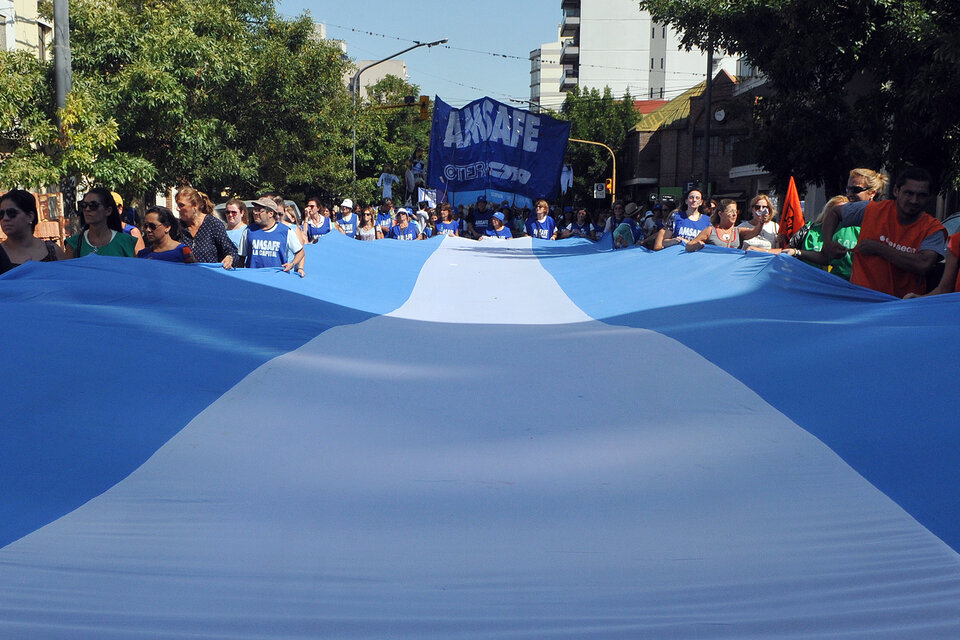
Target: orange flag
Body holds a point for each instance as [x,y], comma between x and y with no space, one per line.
[791,216]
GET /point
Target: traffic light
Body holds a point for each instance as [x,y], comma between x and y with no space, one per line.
[424,108]
[609,184]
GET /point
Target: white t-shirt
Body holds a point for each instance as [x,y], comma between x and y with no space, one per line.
[767,238]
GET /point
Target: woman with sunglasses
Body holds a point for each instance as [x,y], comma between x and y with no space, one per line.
[235,211]
[101,231]
[763,215]
[18,219]
[368,230]
[862,185]
[317,222]
[161,231]
[865,184]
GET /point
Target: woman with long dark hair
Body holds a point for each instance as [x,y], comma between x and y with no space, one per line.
[18,219]
[161,231]
[101,229]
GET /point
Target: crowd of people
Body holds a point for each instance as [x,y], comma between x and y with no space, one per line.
[889,245]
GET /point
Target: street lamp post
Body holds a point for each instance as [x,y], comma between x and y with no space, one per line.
[355,90]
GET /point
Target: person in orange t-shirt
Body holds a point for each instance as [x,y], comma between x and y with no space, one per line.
[950,281]
[899,243]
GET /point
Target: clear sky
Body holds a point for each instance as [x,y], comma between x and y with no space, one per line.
[489,30]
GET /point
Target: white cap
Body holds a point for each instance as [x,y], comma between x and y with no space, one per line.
[347,202]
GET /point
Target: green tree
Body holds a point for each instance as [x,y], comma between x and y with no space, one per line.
[226,96]
[863,82]
[597,117]
[391,134]
[35,150]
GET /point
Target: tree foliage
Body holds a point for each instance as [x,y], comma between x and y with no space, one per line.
[34,150]
[596,117]
[391,135]
[856,83]
[224,95]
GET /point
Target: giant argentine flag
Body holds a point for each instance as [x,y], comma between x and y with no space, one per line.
[451,439]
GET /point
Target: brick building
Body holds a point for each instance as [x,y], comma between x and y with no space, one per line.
[664,154]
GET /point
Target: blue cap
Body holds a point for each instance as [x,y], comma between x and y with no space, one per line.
[499,216]
[481,198]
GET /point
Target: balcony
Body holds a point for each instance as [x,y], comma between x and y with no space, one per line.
[570,27]
[570,53]
[570,81]
[570,5]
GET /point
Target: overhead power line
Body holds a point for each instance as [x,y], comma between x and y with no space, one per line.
[508,56]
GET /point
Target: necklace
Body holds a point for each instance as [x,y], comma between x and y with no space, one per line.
[94,248]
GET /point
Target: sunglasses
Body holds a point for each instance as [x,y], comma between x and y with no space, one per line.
[856,190]
[151,226]
[93,206]
[9,214]
[758,207]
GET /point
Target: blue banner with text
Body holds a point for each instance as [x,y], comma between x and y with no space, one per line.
[492,149]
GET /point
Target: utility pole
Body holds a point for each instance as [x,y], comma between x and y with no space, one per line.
[63,80]
[707,117]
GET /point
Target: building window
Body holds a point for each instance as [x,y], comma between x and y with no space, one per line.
[715,145]
[651,63]
[698,145]
[653,33]
[3,32]
[651,93]
[661,93]
[661,63]
[46,39]
[664,32]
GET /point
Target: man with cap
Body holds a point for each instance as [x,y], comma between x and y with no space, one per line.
[498,227]
[478,220]
[347,219]
[266,243]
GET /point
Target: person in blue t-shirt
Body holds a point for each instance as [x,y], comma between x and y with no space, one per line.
[317,222]
[404,230]
[266,243]
[542,225]
[385,217]
[580,227]
[685,224]
[498,228]
[479,219]
[447,226]
[348,220]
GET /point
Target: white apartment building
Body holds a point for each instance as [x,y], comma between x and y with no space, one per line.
[613,43]
[22,28]
[546,74]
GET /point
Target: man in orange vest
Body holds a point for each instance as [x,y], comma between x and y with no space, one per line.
[899,243]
